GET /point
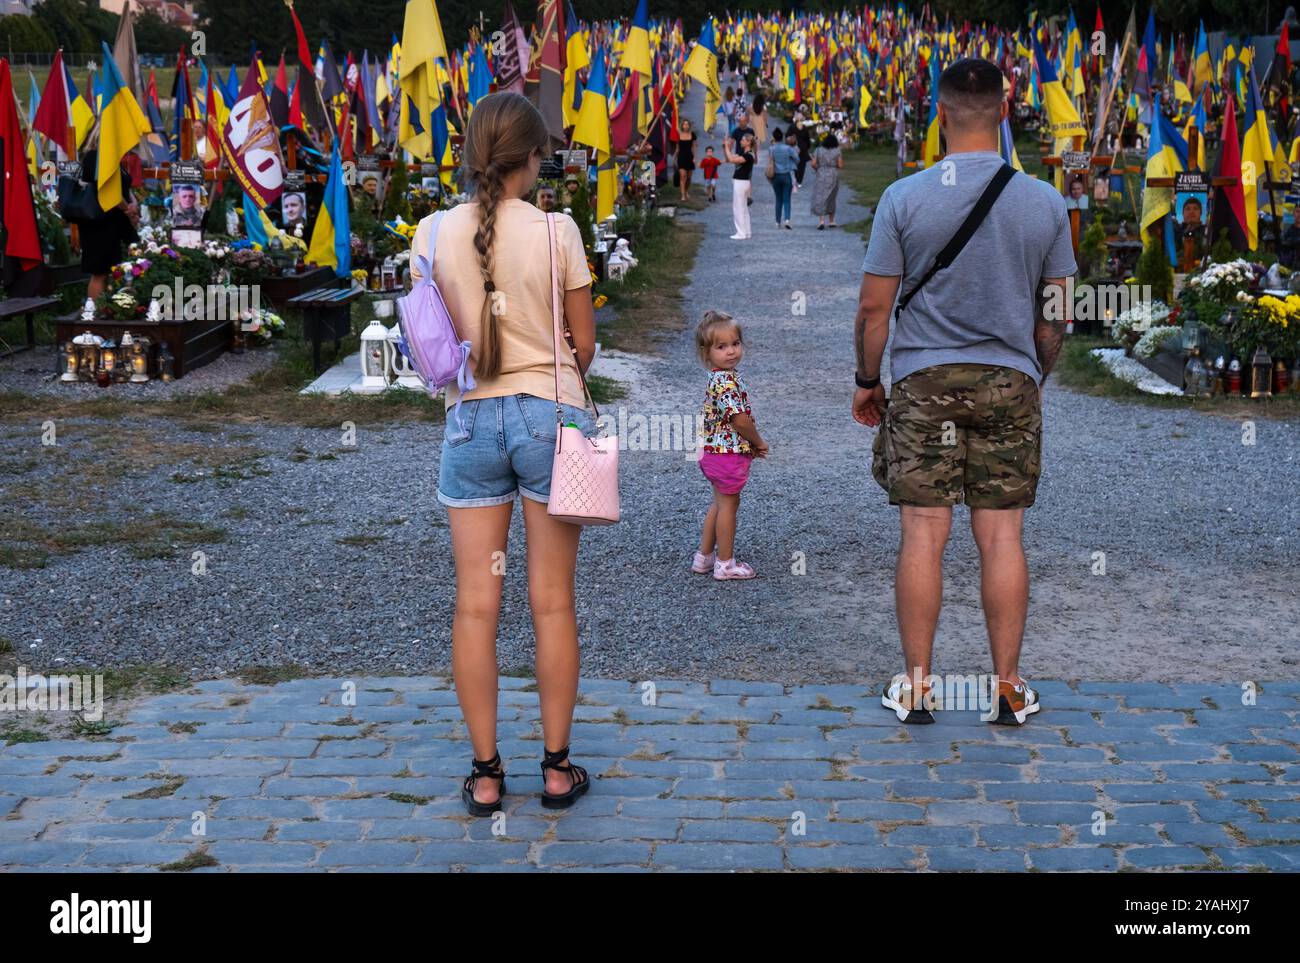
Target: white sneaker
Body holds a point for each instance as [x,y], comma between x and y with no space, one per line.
[908,705]
[703,564]
[739,237]
[731,569]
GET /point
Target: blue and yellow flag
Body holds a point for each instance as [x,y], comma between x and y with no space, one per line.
[1166,156]
[1062,118]
[931,154]
[422,44]
[636,51]
[702,65]
[1256,156]
[121,125]
[331,237]
[592,129]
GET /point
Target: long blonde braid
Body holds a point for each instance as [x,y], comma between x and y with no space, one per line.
[503,132]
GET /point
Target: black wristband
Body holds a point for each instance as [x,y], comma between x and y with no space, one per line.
[867,383]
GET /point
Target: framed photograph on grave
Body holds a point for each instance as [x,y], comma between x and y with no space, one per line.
[189,203]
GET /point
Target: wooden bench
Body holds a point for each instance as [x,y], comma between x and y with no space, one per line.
[28,307]
[326,313]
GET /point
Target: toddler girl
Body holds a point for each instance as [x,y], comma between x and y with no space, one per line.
[730,443]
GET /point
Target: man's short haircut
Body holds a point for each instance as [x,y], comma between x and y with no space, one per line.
[971,93]
[1192,201]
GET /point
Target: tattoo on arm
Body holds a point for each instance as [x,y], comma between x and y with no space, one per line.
[859,346]
[1051,317]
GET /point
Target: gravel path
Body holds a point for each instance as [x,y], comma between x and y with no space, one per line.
[1201,534]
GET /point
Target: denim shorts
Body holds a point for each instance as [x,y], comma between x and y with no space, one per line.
[502,446]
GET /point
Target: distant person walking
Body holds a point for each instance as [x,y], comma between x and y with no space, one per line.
[827,161]
[758,121]
[970,349]
[784,158]
[685,158]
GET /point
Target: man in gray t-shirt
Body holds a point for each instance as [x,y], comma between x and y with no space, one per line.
[970,350]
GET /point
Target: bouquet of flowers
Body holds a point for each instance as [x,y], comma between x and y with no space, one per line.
[1138,319]
[1269,322]
[1149,345]
[120,305]
[1223,282]
[262,324]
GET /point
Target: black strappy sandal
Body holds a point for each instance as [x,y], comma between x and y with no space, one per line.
[484,770]
[577,776]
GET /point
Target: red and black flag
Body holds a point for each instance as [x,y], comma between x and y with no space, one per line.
[280,96]
[1229,211]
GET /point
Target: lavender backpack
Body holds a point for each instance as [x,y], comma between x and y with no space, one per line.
[428,335]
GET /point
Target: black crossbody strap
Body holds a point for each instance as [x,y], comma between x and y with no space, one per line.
[964,233]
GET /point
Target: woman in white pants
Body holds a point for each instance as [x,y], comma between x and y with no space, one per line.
[741,185]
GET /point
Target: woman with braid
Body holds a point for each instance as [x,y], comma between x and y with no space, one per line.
[492,264]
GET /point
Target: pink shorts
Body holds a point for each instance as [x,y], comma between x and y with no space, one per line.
[727,471]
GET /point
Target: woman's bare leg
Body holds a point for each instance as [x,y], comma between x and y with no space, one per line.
[478,543]
[552,561]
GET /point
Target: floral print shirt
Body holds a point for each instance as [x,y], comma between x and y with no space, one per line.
[725,398]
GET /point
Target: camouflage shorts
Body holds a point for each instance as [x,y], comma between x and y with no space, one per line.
[961,432]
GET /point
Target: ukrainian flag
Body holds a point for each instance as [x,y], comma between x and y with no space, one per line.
[83,118]
[1202,64]
[1166,156]
[592,129]
[1061,115]
[422,43]
[575,59]
[1007,145]
[931,155]
[702,65]
[330,238]
[121,125]
[1256,155]
[1197,120]
[636,51]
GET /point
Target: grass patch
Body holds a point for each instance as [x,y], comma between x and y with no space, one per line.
[403,797]
[605,390]
[360,541]
[868,170]
[162,791]
[272,674]
[28,544]
[647,305]
[14,736]
[195,860]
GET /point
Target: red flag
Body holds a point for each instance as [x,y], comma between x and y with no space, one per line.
[23,243]
[295,106]
[1284,53]
[52,118]
[280,96]
[251,144]
[1229,209]
[622,122]
[550,82]
[304,51]
[212,136]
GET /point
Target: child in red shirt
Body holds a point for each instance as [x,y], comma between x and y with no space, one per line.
[710,165]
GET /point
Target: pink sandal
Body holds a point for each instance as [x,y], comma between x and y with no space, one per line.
[732,569]
[703,564]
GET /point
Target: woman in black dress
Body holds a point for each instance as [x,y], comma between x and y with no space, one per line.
[103,239]
[685,158]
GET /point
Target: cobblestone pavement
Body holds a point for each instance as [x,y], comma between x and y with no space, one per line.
[687,776]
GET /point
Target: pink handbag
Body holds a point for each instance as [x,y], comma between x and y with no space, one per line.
[584,473]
